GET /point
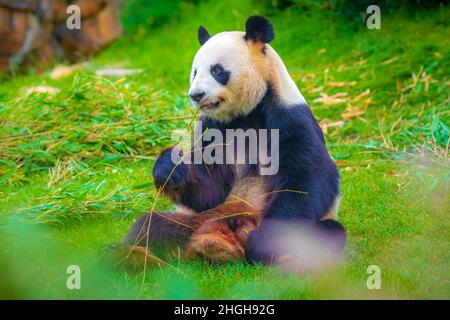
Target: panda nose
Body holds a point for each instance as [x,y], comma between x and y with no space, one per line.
[197,96]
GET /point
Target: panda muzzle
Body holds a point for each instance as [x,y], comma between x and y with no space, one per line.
[209,106]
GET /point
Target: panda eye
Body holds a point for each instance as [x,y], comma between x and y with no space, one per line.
[216,70]
[194,74]
[220,74]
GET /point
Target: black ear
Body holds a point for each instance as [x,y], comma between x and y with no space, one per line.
[203,35]
[259,29]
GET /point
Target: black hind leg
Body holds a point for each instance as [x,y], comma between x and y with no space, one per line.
[153,238]
[163,233]
[297,246]
[333,233]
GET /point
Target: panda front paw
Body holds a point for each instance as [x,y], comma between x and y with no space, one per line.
[167,173]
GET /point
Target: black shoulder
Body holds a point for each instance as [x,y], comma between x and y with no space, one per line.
[294,120]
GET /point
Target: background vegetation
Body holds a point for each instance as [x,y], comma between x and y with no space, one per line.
[77,148]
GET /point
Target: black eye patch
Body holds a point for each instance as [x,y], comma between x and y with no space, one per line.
[219,73]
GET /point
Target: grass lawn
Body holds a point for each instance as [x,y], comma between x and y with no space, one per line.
[76,160]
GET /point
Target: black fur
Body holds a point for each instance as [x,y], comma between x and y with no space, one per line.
[220,74]
[334,233]
[259,29]
[203,35]
[163,169]
[161,232]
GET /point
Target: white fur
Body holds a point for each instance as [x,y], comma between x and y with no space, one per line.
[289,94]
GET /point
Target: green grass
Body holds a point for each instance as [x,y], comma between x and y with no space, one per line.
[75,166]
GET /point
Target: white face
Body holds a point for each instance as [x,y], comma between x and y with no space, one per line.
[224,80]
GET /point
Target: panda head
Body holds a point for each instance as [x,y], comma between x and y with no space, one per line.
[232,70]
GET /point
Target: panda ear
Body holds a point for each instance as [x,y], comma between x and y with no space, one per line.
[259,29]
[203,35]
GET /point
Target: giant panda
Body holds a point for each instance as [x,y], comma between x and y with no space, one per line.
[239,82]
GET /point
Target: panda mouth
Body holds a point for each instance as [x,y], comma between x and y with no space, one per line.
[210,106]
